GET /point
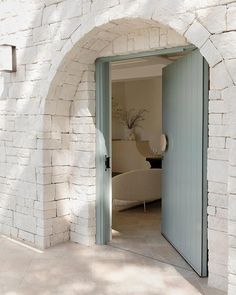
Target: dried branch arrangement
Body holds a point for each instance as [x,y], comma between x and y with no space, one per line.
[132,118]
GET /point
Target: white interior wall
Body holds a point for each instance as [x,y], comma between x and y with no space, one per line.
[140,94]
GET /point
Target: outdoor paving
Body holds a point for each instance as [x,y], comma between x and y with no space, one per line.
[74,269]
[70,268]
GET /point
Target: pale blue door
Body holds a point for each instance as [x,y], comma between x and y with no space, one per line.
[184,165]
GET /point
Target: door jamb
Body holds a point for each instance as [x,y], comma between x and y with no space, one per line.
[204,166]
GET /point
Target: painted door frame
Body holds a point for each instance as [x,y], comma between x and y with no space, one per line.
[103,140]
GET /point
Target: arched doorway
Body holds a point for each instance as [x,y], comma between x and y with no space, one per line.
[76,115]
[71,100]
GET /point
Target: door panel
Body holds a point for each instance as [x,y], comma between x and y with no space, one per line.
[184,123]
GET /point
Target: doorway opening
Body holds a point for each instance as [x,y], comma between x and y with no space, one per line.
[145,207]
[137,158]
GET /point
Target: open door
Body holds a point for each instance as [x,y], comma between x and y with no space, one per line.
[184,189]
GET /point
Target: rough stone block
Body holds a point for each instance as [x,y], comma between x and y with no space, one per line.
[120,44]
[211,210]
[226,44]
[213,18]
[217,241]
[218,281]
[182,22]
[214,94]
[69,9]
[61,158]
[197,34]
[45,205]
[60,225]
[232,185]
[219,130]
[24,222]
[82,239]
[219,77]
[218,269]
[219,224]
[231,289]
[62,191]
[231,66]
[232,154]
[42,242]
[27,55]
[83,159]
[230,19]
[83,108]
[63,207]
[218,154]
[215,119]
[210,53]
[217,187]
[46,193]
[213,172]
[68,26]
[218,106]
[60,123]
[67,91]
[232,261]
[41,34]
[218,200]
[23,235]
[62,108]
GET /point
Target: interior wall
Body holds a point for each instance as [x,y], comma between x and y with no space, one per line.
[140,94]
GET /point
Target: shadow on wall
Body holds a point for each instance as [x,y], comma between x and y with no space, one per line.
[36,135]
[48,139]
[28,186]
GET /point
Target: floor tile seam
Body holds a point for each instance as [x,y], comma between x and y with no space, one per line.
[152,258]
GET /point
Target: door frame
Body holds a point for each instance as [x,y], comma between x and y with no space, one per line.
[103,141]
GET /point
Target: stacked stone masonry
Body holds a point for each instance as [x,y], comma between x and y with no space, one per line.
[47,112]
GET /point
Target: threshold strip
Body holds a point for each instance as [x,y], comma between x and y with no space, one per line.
[152,258]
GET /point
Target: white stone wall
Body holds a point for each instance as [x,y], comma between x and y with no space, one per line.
[47,111]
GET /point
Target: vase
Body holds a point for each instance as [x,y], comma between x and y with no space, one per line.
[129,134]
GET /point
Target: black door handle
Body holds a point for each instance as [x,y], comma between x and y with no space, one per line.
[107,162]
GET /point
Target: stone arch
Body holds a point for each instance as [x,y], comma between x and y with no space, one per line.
[71,103]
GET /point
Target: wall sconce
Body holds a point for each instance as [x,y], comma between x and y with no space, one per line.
[7,58]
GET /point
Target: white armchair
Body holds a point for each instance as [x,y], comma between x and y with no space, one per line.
[137,185]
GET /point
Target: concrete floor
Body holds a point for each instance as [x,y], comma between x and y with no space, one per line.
[69,269]
[140,232]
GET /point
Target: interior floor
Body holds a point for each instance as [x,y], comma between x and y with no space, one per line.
[140,232]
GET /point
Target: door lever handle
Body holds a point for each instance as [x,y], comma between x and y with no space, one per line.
[164,143]
[107,162]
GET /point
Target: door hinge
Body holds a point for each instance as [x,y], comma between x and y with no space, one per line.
[107,162]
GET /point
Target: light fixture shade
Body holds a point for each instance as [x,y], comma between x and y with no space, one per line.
[7,58]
